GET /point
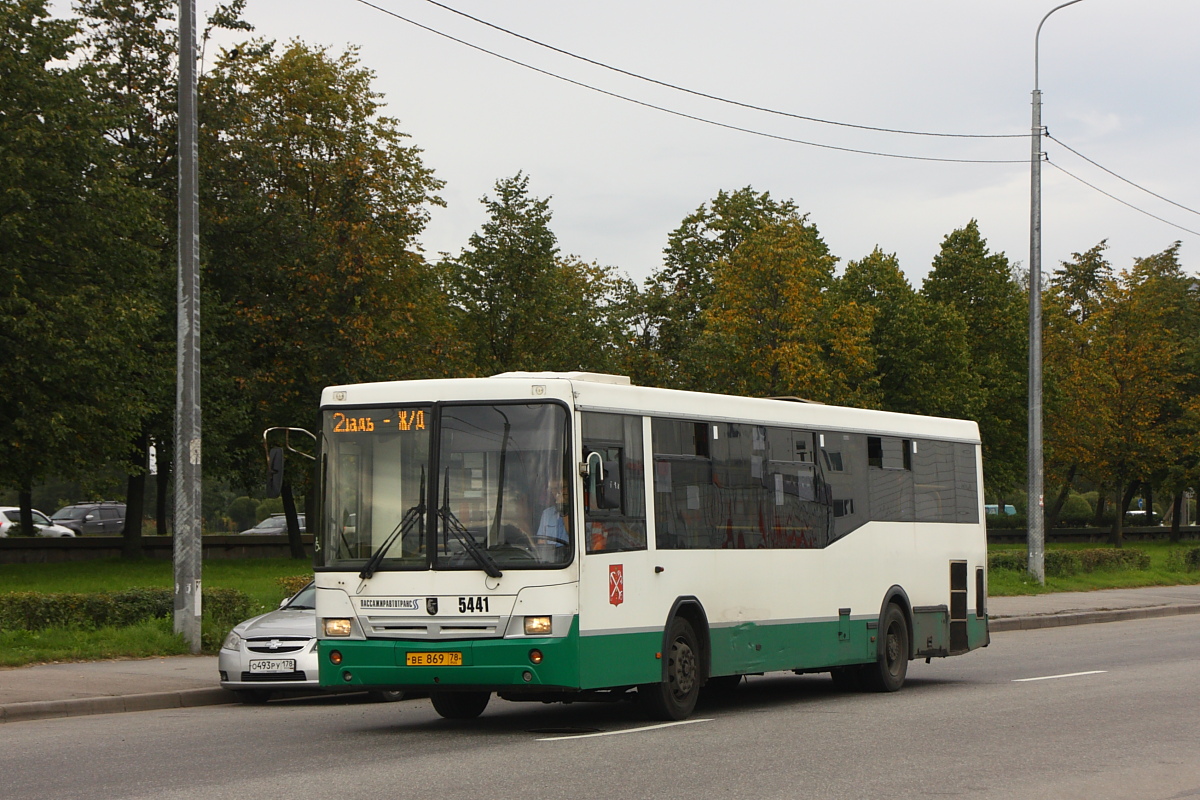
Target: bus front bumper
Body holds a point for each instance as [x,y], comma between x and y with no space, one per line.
[493,664]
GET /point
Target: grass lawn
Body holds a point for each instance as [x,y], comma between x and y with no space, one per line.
[1166,569]
[259,578]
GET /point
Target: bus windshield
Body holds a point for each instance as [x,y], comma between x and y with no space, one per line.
[449,487]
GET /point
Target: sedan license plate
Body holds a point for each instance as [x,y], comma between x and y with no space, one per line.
[443,659]
[272,665]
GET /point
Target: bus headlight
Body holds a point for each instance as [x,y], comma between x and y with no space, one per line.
[337,627]
[537,626]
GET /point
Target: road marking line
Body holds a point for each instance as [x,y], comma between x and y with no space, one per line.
[618,733]
[1068,675]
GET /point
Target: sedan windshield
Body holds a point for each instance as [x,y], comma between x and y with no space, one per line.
[487,495]
[306,598]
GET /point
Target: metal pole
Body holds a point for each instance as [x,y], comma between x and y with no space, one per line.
[187,543]
[1036,498]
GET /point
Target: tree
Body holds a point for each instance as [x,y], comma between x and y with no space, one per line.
[1116,360]
[311,206]
[1161,290]
[771,329]
[921,354]
[73,265]
[133,53]
[132,49]
[1074,427]
[518,303]
[980,286]
[671,309]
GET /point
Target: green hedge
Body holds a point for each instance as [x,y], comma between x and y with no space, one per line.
[1184,560]
[1113,558]
[33,611]
[1062,563]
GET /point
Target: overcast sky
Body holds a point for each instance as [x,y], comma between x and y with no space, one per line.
[1120,83]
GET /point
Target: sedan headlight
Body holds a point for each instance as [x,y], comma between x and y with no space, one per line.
[232,641]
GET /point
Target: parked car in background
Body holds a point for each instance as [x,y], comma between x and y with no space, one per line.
[11,515]
[276,653]
[97,517]
[274,525]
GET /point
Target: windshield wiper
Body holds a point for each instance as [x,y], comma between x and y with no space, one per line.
[415,513]
[485,561]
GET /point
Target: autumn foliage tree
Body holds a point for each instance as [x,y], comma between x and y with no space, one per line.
[668,316]
[1117,367]
[771,329]
[1075,426]
[312,205]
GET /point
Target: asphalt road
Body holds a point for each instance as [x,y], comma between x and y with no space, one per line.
[1094,711]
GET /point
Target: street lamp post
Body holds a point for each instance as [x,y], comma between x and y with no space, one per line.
[187,542]
[1036,499]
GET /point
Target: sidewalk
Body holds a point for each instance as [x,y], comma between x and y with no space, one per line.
[104,687]
[1080,608]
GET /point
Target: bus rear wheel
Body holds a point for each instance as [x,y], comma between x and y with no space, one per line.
[889,670]
[460,705]
[674,698]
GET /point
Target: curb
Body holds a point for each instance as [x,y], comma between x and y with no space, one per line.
[996,625]
[85,706]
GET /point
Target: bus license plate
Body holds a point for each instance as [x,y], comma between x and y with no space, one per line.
[444,659]
[272,665]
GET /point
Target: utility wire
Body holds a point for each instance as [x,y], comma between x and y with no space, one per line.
[1119,200]
[737,103]
[680,113]
[1115,175]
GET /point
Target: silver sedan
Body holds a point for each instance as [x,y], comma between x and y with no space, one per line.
[276,652]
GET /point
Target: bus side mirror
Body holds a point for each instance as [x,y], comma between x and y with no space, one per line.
[275,472]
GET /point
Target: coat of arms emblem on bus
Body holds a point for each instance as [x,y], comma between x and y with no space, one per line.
[431,605]
[616,584]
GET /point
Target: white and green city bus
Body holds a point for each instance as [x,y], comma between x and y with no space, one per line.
[574,537]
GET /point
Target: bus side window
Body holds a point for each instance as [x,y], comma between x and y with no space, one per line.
[614,516]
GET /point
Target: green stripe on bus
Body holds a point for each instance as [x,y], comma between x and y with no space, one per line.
[485,662]
[749,647]
[605,660]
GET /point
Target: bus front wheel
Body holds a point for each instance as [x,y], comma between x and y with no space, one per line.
[459,705]
[674,698]
[889,670]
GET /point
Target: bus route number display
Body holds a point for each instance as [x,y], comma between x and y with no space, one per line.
[399,420]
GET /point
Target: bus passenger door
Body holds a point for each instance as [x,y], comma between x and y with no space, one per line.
[617,576]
